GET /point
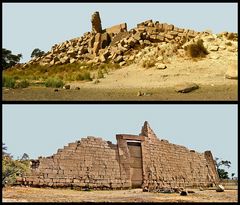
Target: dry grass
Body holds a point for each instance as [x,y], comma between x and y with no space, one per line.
[71,72]
[196,50]
[133,195]
[148,63]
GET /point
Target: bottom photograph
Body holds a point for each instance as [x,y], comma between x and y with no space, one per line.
[119,153]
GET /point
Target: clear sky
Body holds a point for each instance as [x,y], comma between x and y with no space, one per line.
[39,130]
[40,25]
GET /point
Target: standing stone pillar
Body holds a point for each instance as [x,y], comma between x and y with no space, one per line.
[96,23]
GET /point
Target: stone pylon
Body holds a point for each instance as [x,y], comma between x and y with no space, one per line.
[147,131]
[96,23]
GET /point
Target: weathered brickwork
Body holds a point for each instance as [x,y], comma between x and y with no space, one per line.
[90,162]
[153,163]
[170,165]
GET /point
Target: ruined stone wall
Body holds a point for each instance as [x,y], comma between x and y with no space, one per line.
[116,41]
[117,28]
[91,162]
[170,165]
[116,44]
[95,163]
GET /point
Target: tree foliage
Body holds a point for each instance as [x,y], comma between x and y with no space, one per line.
[9,59]
[4,149]
[223,174]
[11,168]
[37,53]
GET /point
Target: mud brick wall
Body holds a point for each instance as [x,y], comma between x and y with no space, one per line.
[98,164]
[170,165]
[91,162]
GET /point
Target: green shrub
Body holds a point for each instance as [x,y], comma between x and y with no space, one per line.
[87,76]
[79,76]
[8,82]
[196,50]
[54,83]
[11,169]
[84,76]
[22,84]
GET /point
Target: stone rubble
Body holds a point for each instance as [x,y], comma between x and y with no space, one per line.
[118,45]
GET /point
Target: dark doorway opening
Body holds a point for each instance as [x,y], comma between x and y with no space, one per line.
[136,168]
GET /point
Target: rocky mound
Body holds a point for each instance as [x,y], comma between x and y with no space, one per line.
[149,41]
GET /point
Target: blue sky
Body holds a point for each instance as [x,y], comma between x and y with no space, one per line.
[39,130]
[40,25]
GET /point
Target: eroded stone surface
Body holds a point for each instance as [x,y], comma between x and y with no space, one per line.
[95,163]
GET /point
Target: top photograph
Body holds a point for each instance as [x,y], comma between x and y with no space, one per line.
[119,52]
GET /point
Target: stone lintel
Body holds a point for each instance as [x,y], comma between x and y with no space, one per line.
[130,137]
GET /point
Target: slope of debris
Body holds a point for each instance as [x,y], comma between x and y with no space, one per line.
[149,40]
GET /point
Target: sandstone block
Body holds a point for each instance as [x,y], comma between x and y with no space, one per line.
[160,66]
[220,188]
[168,36]
[105,40]
[173,33]
[96,23]
[169,27]
[159,27]
[213,48]
[117,28]
[97,37]
[65,59]
[72,60]
[145,23]
[96,47]
[137,36]
[147,42]
[186,87]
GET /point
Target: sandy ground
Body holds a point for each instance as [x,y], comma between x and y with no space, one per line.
[204,93]
[205,71]
[159,85]
[15,194]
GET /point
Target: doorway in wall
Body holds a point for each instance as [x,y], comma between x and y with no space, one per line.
[136,168]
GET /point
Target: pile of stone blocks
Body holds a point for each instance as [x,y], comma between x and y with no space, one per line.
[118,45]
[111,44]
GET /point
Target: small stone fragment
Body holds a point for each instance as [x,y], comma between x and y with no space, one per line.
[220,188]
[161,66]
[139,93]
[67,87]
[184,193]
[186,87]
